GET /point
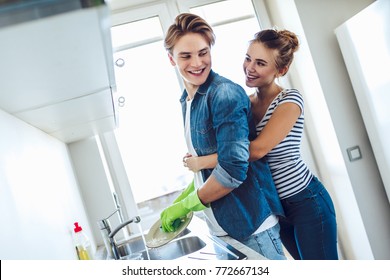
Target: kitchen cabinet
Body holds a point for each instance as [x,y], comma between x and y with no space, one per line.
[57,73]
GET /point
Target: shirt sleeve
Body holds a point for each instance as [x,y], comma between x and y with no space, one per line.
[293,96]
[230,109]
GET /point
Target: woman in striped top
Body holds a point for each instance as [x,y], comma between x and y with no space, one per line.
[309,230]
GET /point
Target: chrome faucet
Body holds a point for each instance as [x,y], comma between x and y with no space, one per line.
[112,234]
[105,230]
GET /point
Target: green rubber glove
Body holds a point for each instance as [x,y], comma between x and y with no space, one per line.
[179,210]
[190,188]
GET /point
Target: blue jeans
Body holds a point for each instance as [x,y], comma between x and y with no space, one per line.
[309,230]
[267,243]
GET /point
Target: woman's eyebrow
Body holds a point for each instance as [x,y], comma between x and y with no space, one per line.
[261,60]
[257,59]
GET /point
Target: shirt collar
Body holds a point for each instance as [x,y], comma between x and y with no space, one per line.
[204,87]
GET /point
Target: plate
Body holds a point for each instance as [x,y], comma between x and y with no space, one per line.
[156,237]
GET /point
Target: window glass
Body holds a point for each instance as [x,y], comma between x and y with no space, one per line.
[150,133]
[230,48]
[137,31]
[232,10]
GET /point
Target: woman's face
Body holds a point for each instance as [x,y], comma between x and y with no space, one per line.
[259,65]
[191,55]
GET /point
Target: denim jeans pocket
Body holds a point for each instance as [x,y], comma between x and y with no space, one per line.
[298,198]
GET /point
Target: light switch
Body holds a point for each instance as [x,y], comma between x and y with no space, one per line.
[354,153]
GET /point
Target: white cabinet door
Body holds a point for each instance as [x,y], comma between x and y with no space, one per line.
[65,58]
[79,116]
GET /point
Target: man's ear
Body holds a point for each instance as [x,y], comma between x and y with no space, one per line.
[173,63]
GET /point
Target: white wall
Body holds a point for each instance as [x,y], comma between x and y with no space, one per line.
[94,183]
[319,28]
[39,196]
[319,20]
[99,176]
[328,158]
[363,59]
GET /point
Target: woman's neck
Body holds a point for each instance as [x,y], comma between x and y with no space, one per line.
[268,92]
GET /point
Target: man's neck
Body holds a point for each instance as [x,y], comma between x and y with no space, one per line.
[191,90]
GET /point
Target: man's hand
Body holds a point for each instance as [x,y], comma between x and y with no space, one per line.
[179,210]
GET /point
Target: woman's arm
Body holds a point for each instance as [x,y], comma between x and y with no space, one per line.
[196,164]
[277,128]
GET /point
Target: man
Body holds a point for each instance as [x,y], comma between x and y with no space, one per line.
[238,198]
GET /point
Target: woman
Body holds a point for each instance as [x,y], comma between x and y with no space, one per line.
[309,230]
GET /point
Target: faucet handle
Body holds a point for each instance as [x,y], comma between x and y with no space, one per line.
[104,224]
[135,219]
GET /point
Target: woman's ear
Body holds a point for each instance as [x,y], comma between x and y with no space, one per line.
[173,63]
[283,71]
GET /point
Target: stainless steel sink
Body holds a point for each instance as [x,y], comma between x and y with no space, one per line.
[190,244]
[137,245]
[170,251]
[176,249]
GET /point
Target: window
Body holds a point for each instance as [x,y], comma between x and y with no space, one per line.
[150,134]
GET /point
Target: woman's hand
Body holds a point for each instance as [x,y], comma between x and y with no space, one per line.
[191,162]
[195,163]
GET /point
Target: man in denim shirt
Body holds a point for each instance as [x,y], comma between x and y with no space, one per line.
[238,198]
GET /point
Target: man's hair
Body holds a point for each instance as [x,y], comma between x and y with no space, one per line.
[188,23]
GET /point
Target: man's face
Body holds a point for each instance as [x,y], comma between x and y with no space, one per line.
[191,55]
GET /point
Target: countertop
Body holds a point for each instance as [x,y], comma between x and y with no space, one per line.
[250,253]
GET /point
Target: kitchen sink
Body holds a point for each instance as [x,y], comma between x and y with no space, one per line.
[190,244]
[170,251]
[176,249]
[173,250]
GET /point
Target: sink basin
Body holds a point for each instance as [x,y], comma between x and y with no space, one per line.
[177,249]
[170,251]
[191,244]
[137,245]
[134,245]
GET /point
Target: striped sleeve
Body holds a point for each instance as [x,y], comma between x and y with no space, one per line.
[293,96]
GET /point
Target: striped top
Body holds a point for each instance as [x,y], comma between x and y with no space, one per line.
[290,173]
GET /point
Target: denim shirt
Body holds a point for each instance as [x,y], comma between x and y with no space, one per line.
[221,122]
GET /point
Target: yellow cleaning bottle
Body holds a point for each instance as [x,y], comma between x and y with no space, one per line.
[83,245]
